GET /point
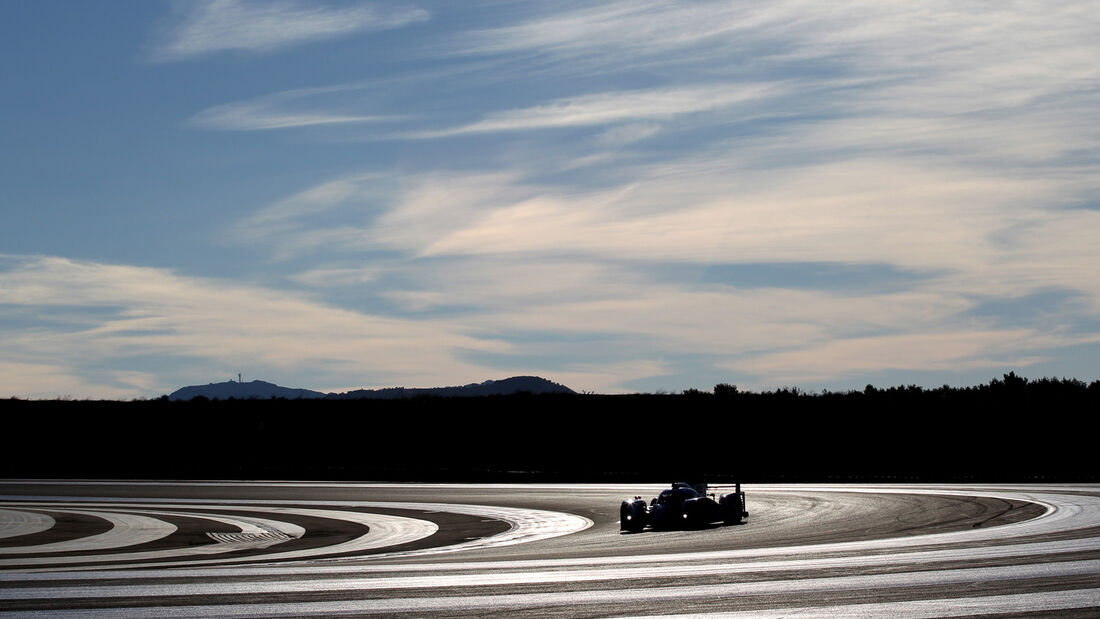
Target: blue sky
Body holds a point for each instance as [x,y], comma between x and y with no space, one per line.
[619,196]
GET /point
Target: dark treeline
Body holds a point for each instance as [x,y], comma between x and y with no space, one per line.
[1010,430]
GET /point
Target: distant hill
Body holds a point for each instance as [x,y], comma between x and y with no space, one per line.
[507,386]
[254,390]
[260,390]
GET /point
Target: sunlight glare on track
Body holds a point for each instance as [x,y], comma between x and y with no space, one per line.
[1042,563]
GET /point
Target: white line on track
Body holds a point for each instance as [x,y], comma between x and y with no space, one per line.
[382,531]
[126,530]
[251,526]
[494,578]
[499,575]
[526,525]
[16,523]
[473,603]
[1012,604]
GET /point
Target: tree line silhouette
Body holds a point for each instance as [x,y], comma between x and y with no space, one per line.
[1009,430]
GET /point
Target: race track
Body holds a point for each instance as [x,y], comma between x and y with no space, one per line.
[240,549]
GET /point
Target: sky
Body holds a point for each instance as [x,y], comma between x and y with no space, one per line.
[619,196]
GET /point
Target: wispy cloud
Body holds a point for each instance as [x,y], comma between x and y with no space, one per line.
[622,135]
[612,107]
[257,115]
[1005,46]
[402,213]
[946,351]
[144,314]
[639,30]
[886,212]
[333,277]
[207,26]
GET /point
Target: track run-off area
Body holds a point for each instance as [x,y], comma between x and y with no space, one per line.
[269,549]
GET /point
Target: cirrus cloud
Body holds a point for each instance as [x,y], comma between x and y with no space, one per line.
[208,26]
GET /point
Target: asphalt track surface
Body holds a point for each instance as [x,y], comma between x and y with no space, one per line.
[266,549]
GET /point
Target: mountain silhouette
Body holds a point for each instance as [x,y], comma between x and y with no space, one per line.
[507,386]
[254,390]
[260,390]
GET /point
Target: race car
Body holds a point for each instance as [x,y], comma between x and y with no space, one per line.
[683,506]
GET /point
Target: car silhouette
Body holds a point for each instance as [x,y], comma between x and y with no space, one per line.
[683,506]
